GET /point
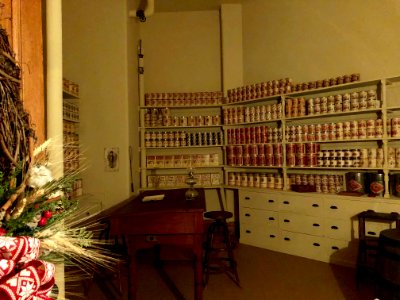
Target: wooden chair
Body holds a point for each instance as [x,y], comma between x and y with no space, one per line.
[369,240]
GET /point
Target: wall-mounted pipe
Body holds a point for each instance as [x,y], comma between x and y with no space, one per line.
[145,9]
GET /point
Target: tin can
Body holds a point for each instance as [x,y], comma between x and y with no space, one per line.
[355,182]
[376,184]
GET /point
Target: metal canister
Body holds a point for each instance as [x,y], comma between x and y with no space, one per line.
[395,185]
[376,184]
[355,182]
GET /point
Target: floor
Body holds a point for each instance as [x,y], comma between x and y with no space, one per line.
[263,274]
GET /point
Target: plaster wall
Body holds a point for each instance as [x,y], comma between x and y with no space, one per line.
[311,40]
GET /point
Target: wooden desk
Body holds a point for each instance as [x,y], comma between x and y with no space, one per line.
[173,220]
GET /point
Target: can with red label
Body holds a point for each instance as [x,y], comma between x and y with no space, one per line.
[376,184]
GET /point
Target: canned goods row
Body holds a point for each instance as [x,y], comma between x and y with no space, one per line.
[354,101]
[70,86]
[165,138]
[183,99]
[71,165]
[348,130]
[326,82]
[256,160]
[393,157]
[254,149]
[302,148]
[162,117]
[393,127]
[71,139]
[182,161]
[260,90]
[70,127]
[252,135]
[208,138]
[322,182]
[204,179]
[70,111]
[363,158]
[257,180]
[249,114]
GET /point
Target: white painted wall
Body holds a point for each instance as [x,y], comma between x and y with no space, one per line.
[313,39]
[95,46]
[182,51]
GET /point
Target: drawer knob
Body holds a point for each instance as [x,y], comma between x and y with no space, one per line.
[287,239]
[315,205]
[334,207]
[315,225]
[316,244]
[371,233]
[272,236]
[286,202]
[286,221]
[248,231]
[246,198]
[271,201]
[271,218]
[247,215]
[334,227]
[335,248]
[151,238]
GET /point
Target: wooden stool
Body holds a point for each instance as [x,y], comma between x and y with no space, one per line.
[218,257]
[388,265]
[368,244]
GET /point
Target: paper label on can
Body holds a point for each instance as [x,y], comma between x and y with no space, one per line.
[376,187]
[355,185]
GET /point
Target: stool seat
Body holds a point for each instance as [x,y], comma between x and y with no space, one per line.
[218,215]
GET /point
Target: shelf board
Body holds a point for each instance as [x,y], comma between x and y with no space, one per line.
[336,114]
[183,168]
[393,108]
[69,95]
[249,101]
[182,147]
[179,127]
[339,87]
[180,187]
[338,141]
[333,168]
[252,123]
[191,106]
[252,167]
[70,120]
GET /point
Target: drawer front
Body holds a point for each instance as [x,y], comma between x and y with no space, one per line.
[304,245]
[345,209]
[301,204]
[301,223]
[339,228]
[342,252]
[255,235]
[256,216]
[258,200]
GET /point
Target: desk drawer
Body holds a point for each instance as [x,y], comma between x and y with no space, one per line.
[146,241]
[159,223]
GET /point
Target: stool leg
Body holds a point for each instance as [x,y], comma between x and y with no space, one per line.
[208,247]
[232,261]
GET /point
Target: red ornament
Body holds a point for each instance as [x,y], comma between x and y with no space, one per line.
[47,214]
[2,231]
[42,222]
[36,206]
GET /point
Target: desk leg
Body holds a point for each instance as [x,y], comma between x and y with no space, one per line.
[198,267]
[132,274]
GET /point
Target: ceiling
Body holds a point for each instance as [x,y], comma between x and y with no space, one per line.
[189,5]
